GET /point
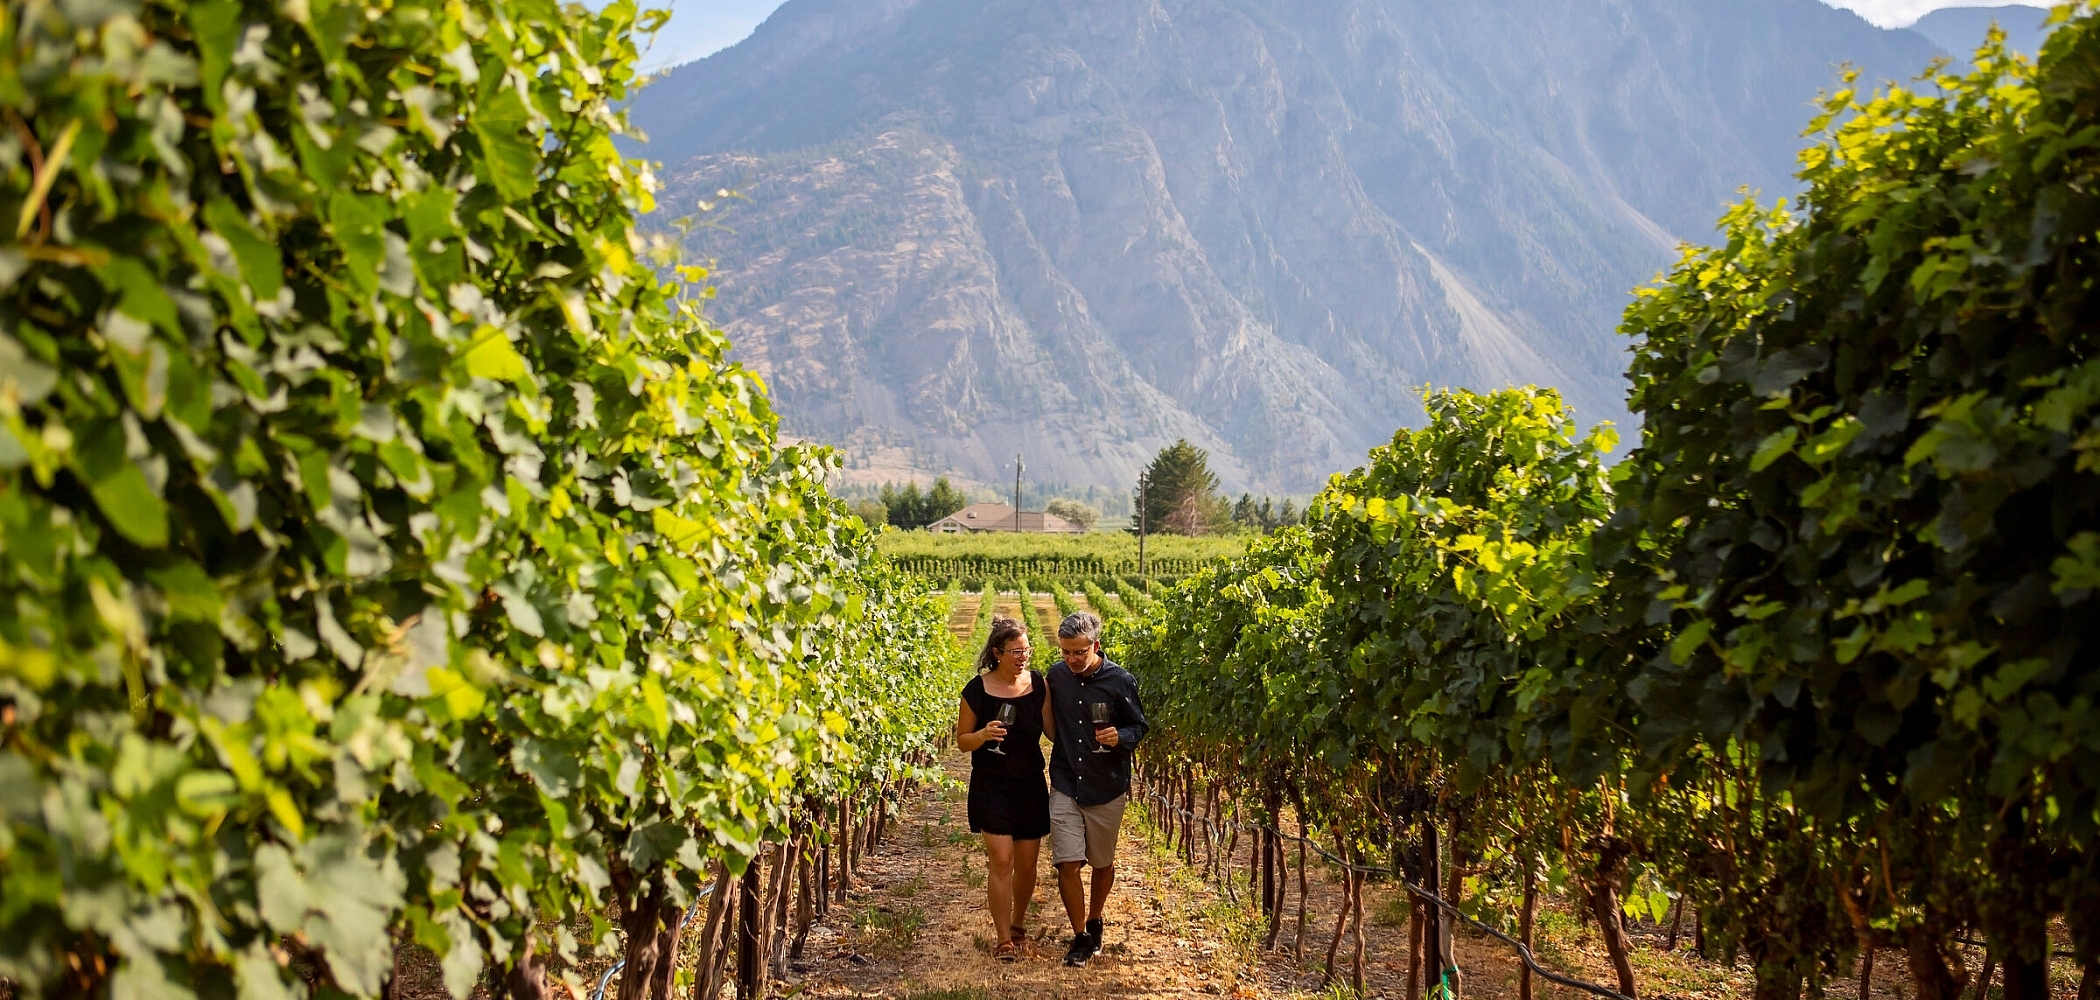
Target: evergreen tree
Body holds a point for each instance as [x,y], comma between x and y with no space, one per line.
[909,508]
[1181,492]
[1244,512]
[944,499]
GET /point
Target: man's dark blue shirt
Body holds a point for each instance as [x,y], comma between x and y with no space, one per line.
[1075,769]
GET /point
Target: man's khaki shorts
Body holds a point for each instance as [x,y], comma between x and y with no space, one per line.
[1085,833]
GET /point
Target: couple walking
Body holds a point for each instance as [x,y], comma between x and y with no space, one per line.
[1089,708]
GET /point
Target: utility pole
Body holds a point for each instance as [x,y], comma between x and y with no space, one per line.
[1017,491]
[1141,524]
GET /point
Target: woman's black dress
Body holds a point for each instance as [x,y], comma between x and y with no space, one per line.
[1009,795]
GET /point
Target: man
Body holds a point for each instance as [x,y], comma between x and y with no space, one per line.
[1089,772]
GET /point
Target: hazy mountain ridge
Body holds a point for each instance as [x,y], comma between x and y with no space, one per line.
[1082,228]
[1959,30]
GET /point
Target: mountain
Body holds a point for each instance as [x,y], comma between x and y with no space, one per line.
[1080,229]
[1959,30]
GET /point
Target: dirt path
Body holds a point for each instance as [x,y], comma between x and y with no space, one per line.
[916,929]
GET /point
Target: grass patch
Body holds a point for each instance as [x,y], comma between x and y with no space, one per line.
[908,889]
[953,993]
[971,877]
[961,837]
[890,929]
[1394,912]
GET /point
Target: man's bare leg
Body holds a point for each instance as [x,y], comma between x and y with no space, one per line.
[1073,891]
[1104,880]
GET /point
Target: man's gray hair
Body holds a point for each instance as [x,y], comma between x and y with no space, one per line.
[1080,625]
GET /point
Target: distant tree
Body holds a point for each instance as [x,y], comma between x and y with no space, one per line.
[874,512]
[1181,493]
[1266,514]
[1074,511]
[944,499]
[1244,512]
[907,507]
[1287,516]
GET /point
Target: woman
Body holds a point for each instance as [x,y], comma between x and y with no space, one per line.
[1009,799]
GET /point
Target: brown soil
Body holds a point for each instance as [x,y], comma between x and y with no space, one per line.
[919,931]
[915,929]
[963,619]
[1048,616]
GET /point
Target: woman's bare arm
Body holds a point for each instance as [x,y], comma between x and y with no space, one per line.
[968,736]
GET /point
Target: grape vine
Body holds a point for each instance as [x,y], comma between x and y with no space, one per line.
[1816,658]
[389,553]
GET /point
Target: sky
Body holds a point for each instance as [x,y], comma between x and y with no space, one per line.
[698,28]
[1901,13]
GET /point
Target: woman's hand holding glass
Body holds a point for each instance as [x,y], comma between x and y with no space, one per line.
[996,729]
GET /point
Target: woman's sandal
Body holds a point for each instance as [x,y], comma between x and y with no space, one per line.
[1006,951]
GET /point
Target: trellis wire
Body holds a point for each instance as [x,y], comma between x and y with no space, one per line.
[1523,952]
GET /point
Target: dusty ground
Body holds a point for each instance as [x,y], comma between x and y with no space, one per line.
[919,931]
[915,929]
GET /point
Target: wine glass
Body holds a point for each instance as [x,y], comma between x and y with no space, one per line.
[1099,710]
[1005,716]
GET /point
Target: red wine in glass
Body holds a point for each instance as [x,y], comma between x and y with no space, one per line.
[1005,716]
[1100,713]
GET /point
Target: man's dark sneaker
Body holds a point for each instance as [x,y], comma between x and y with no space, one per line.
[1093,930]
[1082,949]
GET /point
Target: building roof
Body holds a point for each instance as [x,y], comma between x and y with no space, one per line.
[1000,517]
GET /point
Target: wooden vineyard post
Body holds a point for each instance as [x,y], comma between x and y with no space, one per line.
[1341,915]
[1298,942]
[845,849]
[1454,881]
[1414,947]
[774,950]
[1677,924]
[1604,904]
[1432,914]
[712,938]
[1526,918]
[642,922]
[527,978]
[667,941]
[1356,907]
[750,901]
[805,899]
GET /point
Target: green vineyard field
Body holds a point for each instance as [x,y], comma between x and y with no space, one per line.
[1069,560]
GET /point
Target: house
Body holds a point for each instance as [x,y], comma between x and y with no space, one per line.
[981,517]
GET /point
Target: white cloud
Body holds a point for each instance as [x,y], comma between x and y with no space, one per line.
[1903,13]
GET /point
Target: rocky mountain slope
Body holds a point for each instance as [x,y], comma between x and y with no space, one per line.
[1083,228]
